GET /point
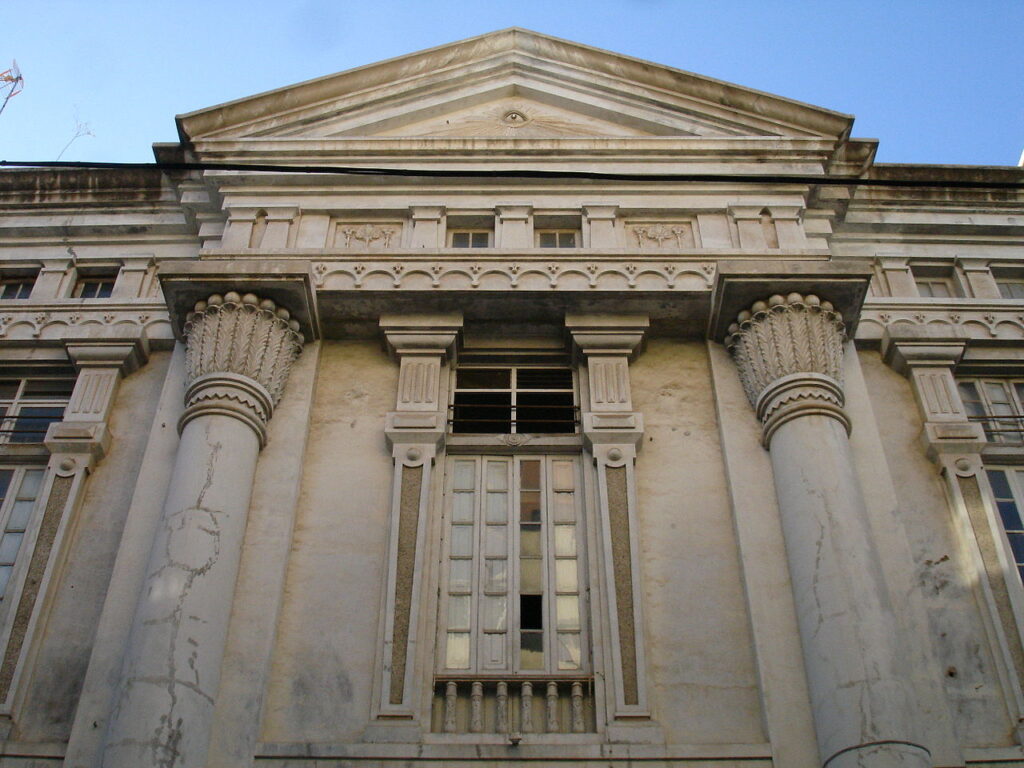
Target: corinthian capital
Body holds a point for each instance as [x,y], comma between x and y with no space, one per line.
[789,352]
[239,352]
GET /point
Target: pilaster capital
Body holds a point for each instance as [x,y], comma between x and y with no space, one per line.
[424,334]
[109,347]
[789,352]
[238,355]
[973,263]
[595,211]
[607,334]
[513,211]
[906,346]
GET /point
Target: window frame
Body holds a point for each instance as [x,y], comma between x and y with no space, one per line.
[471,233]
[104,283]
[980,408]
[1010,283]
[11,407]
[12,585]
[512,669]
[513,391]
[558,232]
[22,283]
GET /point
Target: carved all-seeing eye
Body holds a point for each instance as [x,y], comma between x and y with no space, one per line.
[514,117]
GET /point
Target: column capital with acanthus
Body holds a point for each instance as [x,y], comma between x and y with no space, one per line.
[789,352]
[239,351]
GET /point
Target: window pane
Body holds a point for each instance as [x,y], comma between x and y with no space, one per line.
[460,575]
[495,613]
[482,412]
[9,389]
[565,576]
[495,575]
[529,507]
[20,513]
[462,507]
[529,541]
[565,508]
[9,545]
[480,239]
[565,540]
[496,540]
[1000,485]
[465,475]
[483,378]
[568,651]
[5,575]
[529,475]
[544,378]
[460,239]
[48,389]
[1011,517]
[31,423]
[30,484]
[457,650]
[462,541]
[1016,544]
[5,482]
[562,476]
[458,611]
[531,653]
[548,240]
[497,476]
[567,608]
[566,239]
[497,507]
[530,576]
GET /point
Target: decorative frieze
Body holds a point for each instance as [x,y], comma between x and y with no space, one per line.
[367,236]
[789,352]
[661,235]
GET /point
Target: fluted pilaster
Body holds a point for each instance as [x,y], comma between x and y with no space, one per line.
[789,352]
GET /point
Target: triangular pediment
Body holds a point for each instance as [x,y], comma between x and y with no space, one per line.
[513,84]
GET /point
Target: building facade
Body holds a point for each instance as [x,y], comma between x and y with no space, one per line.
[512,402]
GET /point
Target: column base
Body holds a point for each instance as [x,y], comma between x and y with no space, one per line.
[881,754]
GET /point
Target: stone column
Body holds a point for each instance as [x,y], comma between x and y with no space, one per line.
[239,351]
[789,352]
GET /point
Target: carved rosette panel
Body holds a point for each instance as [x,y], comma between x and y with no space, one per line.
[239,352]
[789,352]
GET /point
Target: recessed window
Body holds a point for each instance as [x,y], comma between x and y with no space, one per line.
[16,288]
[997,404]
[513,399]
[470,238]
[1011,288]
[95,287]
[19,489]
[557,238]
[29,406]
[935,287]
[1008,492]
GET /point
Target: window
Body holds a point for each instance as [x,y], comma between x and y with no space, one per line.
[557,238]
[470,238]
[16,288]
[512,585]
[28,406]
[1008,490]
[513,399]
[1011,289]
[19,489]
[95,287]
[935,287]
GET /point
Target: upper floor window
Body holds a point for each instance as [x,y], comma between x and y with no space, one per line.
[1008,489]
[935,287]
[557,238]
[470,238]
[1011,288]
[514,399]
[19,489]
[28,406]
[997,405]
[16,287]
[95,286]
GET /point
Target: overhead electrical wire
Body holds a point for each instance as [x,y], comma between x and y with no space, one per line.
[735,178]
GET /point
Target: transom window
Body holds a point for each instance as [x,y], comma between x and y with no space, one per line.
[557,238]
[1008,490]
[96,287]
[28,406]
[512,583]
[997,405]
[470,238]
[513,399]
[19,489]
[16,288]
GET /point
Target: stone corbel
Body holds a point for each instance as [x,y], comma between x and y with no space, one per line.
[928,355]
[102,360]
[514,230]
[978,276]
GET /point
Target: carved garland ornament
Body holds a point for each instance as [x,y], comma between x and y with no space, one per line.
[239,352]
[789,352]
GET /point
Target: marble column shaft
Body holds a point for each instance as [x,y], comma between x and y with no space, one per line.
[238,355]
[789,354]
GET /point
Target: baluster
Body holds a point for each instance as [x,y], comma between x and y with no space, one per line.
[526,708]
[501,718]
[476,708]
[577,707]
[451,693]
[552,708]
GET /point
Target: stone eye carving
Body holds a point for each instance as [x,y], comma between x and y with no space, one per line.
[515,117]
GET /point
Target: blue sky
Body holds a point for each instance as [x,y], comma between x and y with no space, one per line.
[935,81]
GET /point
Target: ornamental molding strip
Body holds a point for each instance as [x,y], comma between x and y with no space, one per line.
[238,354]
[789,352]
[50,321]
[980,320]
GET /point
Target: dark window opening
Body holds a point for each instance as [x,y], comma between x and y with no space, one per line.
[507,400]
